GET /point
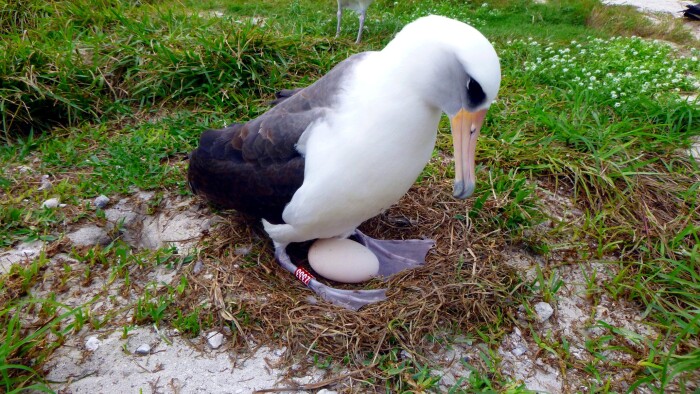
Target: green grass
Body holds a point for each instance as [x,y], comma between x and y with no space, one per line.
[111,95]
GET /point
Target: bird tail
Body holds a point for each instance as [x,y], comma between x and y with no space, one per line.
[214,145]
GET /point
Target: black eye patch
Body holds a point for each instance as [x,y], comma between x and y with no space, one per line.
[475,94]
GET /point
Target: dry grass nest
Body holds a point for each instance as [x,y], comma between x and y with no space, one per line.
[463,285]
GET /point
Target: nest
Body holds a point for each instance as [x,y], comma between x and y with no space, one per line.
[462,286]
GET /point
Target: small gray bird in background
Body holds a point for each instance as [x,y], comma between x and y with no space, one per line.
[359,6]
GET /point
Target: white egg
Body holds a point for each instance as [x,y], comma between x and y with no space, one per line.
[343,260]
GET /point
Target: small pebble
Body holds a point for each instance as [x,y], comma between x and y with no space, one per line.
[215,339]
[92,343]
[50,203]
[143,350]
[101,201]
[544,311]
[519,350]
[517,332]
[45,183]
[326,391]
[198,266]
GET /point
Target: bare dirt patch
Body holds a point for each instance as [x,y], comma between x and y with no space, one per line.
[242,281]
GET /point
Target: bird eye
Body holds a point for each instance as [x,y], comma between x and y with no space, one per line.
[475,94]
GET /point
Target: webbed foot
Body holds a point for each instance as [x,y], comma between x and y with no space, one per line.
[396,255]
[350,299]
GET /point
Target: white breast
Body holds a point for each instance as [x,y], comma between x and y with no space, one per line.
[361,159]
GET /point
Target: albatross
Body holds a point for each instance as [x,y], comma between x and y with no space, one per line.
[327,157]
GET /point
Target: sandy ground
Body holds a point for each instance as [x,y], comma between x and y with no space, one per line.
[149,360]
[653,7]
[667,6]
[173,365]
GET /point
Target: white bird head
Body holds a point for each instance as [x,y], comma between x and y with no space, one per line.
[461,77]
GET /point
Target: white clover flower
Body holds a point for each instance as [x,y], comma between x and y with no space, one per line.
[613,94]
[593,78]
[617,105]
[565,69]
[694,58]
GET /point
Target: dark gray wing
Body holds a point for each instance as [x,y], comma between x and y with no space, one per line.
[283,95]
[255,167]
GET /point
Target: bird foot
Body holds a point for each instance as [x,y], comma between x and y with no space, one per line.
[396,255]
[350,299]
